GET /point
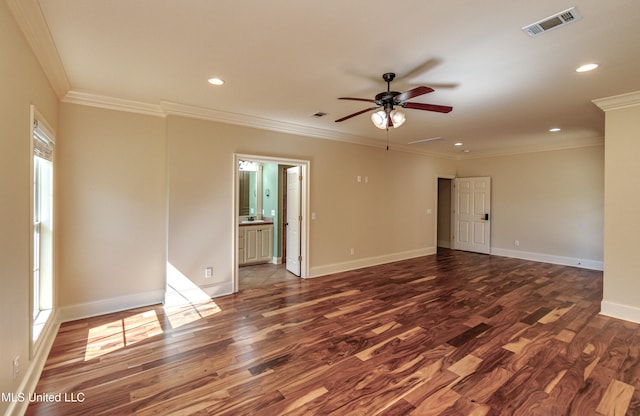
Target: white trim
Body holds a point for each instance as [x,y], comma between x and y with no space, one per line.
[112,103]
[219,116]
[620,311]
[110,305]
[213,290]
[31,21]
[549,258]
[167,108]
[370,261]
[618,102]
[574,144]
[36,365]
[39,124]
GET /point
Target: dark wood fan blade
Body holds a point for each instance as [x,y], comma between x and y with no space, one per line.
[355,114]
[414,92]
[368,100]
[428,107]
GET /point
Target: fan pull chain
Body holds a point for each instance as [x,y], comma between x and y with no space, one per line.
[387,138]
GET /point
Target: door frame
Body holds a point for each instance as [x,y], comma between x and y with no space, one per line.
[305,197]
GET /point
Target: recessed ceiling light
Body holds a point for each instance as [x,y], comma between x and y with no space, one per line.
[458,144]
[215,81]
[586,68]
[554,129]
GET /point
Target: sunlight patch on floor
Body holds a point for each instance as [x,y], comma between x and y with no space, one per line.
[120,333]
[184,301]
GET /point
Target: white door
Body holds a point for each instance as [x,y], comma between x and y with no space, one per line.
[472,214]
[293,220]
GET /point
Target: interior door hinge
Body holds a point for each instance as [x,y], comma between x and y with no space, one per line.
[300,218]
[299,258]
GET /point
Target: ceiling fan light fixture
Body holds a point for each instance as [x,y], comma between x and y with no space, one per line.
[379,119]
[586,67]
[397,117]
[215,81]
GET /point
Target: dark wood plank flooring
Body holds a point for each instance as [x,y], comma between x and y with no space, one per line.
[451,334]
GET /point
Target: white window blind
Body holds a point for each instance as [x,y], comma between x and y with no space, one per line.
[42,145]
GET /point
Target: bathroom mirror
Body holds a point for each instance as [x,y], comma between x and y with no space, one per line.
[250,192]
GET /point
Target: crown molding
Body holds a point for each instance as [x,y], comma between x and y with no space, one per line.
[171,108]
[112,103]
[168,108]
[31,21]
[183,110]
[578,144]
[618,102]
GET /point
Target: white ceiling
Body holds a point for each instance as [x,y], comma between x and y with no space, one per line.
[285,60]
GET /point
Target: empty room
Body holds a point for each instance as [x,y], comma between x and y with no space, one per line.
[285,208]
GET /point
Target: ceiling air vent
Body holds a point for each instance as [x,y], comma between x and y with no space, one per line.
[552,22]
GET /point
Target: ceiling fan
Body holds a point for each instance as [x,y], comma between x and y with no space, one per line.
[387,116]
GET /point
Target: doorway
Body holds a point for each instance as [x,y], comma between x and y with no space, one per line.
[274,189]
[444,223]
[464,214]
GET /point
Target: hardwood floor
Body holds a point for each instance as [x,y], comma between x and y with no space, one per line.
[451,334]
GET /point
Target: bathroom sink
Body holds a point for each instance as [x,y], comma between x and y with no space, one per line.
[253,222]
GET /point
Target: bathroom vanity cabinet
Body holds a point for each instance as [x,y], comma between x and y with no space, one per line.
[255,243]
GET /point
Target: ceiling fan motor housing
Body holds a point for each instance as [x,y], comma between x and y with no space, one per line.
[388,99]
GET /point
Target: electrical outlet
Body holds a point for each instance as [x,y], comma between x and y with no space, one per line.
[16,367]
[208,272]
[516,243]
[353,251]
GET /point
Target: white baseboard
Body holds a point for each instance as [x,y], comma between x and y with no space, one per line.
[34,369]
[369,261]
[217,289]
[104,306]
[620,311]
[549,258]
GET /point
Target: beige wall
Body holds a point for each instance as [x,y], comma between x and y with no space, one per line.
[22,83]
[622,264]
[382,218]
[112,210]
[552,202]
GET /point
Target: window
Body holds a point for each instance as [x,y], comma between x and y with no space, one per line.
[42,226]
